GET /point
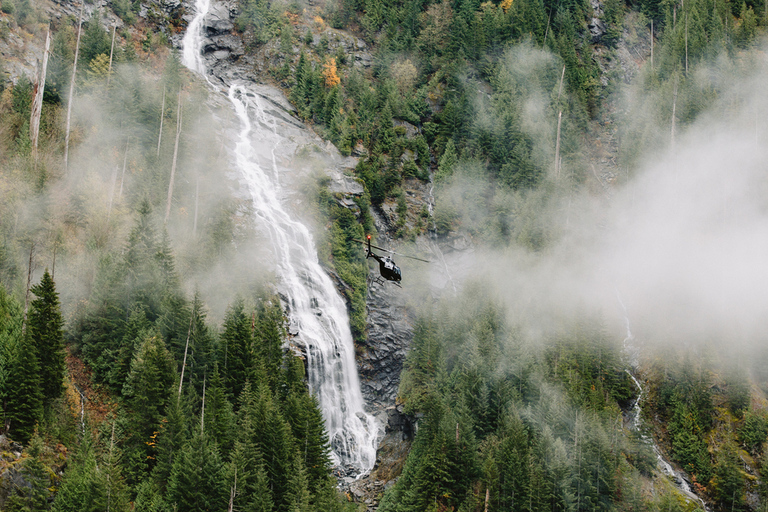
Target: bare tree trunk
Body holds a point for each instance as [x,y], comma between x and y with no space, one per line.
[112,194]
[29,285]
[202,412]
[160,133]
[186,347]
[53,267]
[111,447]
[125,162]
[232,493]
[197,197]
[557,144]
[173,165]
[686,44]
[37,98]
[72,88]
[651,45]
[111,53]
[674,117]
[487,498]
[559,123]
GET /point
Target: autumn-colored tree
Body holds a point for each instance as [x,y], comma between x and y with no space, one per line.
[330,76]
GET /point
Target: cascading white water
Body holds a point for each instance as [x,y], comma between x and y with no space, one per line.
[631,354]
[192,44]
[317,311]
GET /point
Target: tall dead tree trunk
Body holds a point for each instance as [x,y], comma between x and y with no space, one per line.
[202,411]
[112,194]
[72,88]
[197,197]
[674,118]
[559,123]
[29,285]
[686,44]
[651,45]
[186,348]
[175,156]
[125,162]
[162,116]
[37,97]
[111,53]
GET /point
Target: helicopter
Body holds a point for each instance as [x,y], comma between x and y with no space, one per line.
[388,270]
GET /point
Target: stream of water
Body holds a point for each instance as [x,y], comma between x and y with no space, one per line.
[317,311]
[634,419]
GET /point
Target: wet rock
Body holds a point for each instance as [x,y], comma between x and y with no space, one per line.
[218,20]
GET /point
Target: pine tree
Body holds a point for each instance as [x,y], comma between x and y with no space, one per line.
[447,163]
[148,390]
[268,340]
[25,398]
[237,341]
[272,435]
[11,318]
[172,437]
[33,496]
[219,418]
[202,345]
[45,328]
[198,480]
[254,493]
[303,413]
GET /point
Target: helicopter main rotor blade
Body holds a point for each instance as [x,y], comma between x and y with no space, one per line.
[391,252]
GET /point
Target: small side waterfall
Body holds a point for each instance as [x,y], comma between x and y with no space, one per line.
[633,417]
[317,311]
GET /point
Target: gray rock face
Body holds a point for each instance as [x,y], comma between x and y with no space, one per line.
[218,20]
[389,336]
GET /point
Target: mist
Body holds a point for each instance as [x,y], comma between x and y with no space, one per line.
[676,246]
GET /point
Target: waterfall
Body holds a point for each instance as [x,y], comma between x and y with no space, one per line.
[633,417]
[317,311]
[192,44]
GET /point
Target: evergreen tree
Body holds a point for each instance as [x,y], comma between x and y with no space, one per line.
[45,328]
[147,392]
[219,418]
[447,162]
[302,411]
[24,403]
[198,480]
[237,341]
[34,496]
[728,480]
[11,318]
[247,461]
[173,436]
[202,345]
[268,339]
[272,435]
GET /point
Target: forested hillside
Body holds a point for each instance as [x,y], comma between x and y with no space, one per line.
[145,358]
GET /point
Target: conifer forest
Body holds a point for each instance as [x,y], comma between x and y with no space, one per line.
[575,191]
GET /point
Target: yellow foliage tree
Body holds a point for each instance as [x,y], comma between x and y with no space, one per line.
[329,72]
[506,4]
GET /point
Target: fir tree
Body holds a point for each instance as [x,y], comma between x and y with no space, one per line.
[218,412]
[198,480]
[24,407]
[45,328]
[237,341]
[33,496]
[11,318]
